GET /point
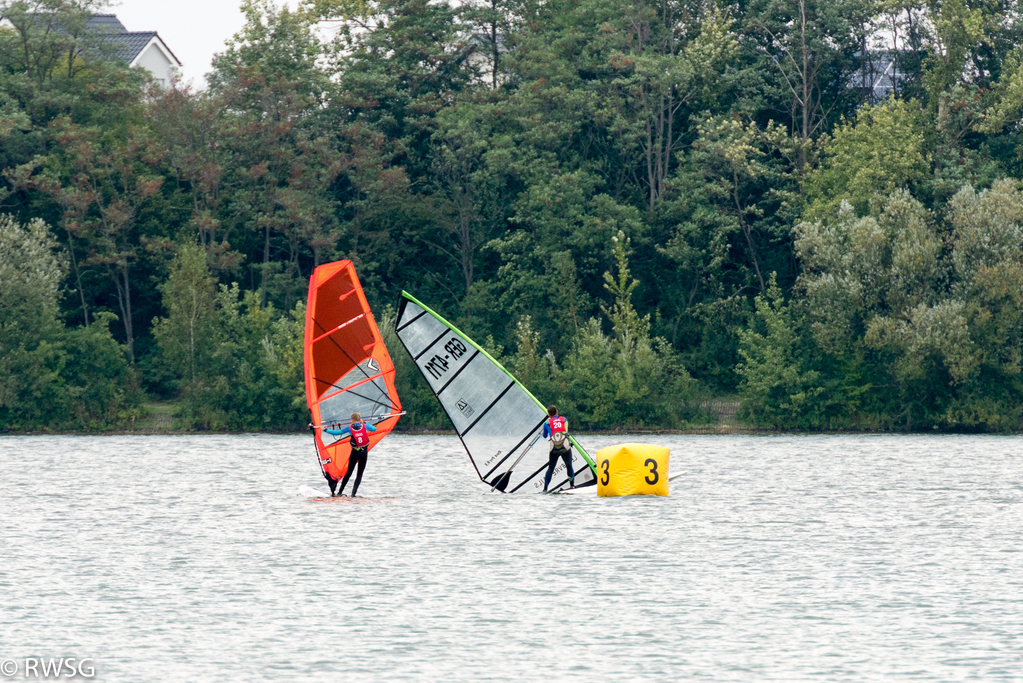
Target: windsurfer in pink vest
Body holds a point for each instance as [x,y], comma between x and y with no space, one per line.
[556,429]
[359,439]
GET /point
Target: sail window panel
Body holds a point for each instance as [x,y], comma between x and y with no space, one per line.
[512,418]
[494,454]
[528,475]
[368,399]
[408,315]
[492,441]
[472,392]
[366,369]
[421,333]
[488,450]
[583,473]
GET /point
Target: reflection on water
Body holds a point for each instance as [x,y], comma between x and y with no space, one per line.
[213,558]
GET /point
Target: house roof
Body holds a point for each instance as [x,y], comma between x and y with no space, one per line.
[128,45]
[125,45]
[105,22]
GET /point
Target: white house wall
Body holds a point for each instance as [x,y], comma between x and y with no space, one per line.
[153,60]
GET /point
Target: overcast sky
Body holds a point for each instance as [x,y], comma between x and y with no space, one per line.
[194,30]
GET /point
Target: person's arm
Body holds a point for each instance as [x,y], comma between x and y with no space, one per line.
[546,429]
[370,427]
[338,432]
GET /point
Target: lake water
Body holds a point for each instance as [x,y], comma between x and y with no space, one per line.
[776,558]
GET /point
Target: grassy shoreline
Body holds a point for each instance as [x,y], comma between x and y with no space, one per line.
[161,417]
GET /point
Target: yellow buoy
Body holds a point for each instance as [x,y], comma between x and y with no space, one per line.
[631,469]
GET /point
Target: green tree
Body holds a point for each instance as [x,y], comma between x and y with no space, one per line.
[187,336]
[52,67]
[193,127]
[399,63]
[987,262]
[876,296]
[236,364]
[629,378]
[32,393]
[52,378]
[282,157]
[747,171]
[777,388]
[102,183]
[104,389]
[655,70]
[883,150]
[806,53]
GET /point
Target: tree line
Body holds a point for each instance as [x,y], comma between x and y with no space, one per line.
[811,205]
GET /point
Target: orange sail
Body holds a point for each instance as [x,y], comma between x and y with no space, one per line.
[347,367]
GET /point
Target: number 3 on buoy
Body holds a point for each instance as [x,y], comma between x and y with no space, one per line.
[652,464]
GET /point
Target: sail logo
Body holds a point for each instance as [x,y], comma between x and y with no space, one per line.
[466,409]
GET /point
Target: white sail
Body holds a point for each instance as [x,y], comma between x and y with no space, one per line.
[496,418]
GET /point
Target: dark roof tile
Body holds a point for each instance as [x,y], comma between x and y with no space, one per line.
[130,43]
[105,22]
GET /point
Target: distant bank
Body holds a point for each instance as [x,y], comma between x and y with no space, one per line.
[163,418]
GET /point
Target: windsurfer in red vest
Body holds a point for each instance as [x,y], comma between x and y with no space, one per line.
[556,429]
[359,439]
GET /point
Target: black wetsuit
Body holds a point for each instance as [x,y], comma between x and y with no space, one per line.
[356,459]
[565,455]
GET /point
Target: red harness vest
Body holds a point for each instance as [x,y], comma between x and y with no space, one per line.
[360,436]
[557,425]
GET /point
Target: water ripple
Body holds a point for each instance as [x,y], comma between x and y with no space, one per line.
[777,558]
